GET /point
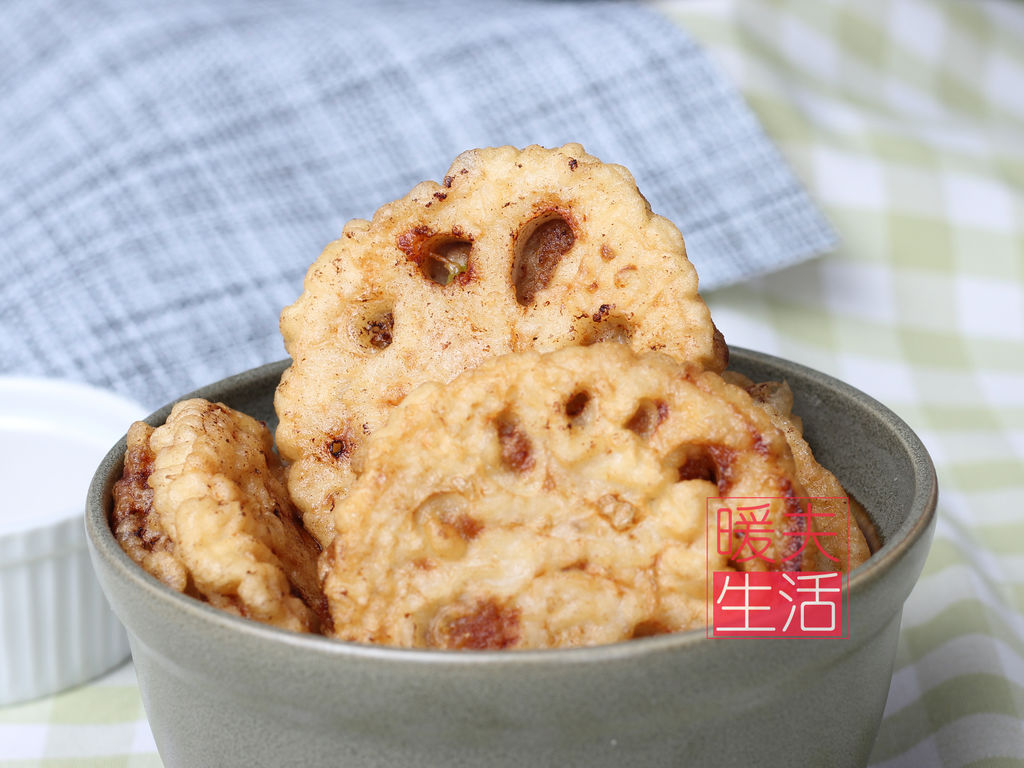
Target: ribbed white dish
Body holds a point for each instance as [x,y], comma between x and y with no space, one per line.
[56,629]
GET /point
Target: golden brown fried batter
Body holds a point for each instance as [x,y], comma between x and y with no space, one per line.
[843,544]
[202,506]
[140,533]
[553,500]
[481,469]
[515,250]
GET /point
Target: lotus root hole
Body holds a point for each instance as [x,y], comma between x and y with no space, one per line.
[540,245]
[374,327]
[647,417]
[710,463]
[339,447]
[576,406]
[445,260]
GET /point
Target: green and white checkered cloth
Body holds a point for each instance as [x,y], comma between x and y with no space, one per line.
[905,120]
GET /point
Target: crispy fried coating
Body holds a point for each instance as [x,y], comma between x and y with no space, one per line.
[843,544]
[139,532]
[202,505]
[551,500]
[514,250]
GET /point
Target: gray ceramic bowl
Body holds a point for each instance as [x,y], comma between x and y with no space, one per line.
[223,691]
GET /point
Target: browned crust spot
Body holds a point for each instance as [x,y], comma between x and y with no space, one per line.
[797,530]
[133,501]
[724,459]
[649,628]
[720,350]
[393,395]
[467,526]
[323,612]
[409,242]
[516,448]
[487,626]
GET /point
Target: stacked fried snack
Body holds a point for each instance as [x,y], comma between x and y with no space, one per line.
[516,250]
[505,413]
[202,506]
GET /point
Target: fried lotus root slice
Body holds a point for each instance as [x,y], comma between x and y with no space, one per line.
[552,500]
[514,250]
[139,531]
[842,523]
[202,506]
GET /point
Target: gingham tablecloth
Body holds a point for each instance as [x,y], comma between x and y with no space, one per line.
[905,120]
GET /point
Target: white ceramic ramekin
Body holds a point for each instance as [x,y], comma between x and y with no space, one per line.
[56,629]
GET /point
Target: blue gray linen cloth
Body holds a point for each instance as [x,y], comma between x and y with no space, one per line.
[168,171]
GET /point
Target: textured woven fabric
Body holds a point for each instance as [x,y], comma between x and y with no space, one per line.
[170,170]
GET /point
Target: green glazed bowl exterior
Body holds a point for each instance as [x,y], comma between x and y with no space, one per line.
[223,691]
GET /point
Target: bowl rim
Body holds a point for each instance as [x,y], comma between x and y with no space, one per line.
[101,540]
